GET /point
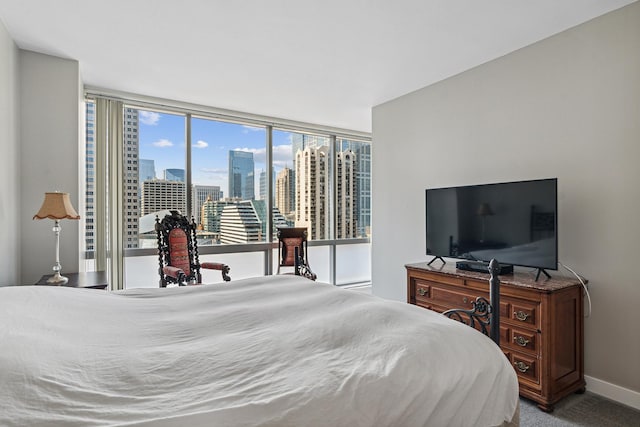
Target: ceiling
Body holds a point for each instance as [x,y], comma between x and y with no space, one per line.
[325,62]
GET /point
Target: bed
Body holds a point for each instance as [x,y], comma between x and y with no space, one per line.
[268,351]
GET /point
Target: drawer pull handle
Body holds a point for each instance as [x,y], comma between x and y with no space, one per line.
[465,300]
[521,315]
[521,366]
[521,341]
[423,291]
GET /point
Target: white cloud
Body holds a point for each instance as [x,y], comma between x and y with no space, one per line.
[163,143]
[214,171]
[282,156]
[247,129]
[201,144]
[149,117]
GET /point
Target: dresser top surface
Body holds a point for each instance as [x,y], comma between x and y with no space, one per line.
[524,280]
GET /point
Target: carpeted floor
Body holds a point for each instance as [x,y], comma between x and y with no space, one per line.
[588,409]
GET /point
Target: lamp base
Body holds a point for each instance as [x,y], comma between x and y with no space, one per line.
[57,279]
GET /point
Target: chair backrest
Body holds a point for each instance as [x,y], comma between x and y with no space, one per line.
[292,246]
[177,247]
[290,238]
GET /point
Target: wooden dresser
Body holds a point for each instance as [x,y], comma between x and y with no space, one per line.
[541,323]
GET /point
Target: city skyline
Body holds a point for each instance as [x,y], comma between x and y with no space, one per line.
[162,139]
[155,173]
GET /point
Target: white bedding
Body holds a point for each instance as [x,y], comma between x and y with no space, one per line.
[269,351]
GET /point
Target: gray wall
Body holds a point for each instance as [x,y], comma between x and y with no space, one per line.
[50,128]
[9,184]
[565,107]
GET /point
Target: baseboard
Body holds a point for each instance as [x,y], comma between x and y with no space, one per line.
[614,392]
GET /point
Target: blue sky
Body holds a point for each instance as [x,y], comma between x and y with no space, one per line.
[162,139]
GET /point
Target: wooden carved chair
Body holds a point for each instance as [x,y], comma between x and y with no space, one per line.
[178,252]
[483,315]
[292,248]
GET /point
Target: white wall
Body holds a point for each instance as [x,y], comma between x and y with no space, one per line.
[9,183]
[50,125]
[566,107]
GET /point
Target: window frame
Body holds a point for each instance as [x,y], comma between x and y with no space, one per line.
[191,111]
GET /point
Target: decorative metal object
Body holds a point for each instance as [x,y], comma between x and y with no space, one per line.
[483,315]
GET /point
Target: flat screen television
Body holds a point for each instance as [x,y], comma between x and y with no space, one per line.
[513,222]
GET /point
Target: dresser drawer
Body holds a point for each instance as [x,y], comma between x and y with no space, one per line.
[452,298]
[422,290]
[524,313]
[526,367]
[523,340]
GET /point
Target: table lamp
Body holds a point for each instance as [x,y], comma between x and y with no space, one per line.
[57,206]
[484,210]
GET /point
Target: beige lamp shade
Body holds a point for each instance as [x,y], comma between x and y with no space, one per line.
[56,205]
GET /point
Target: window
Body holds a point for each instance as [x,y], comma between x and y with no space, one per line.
[302,169]
[158,166]
[232,175]
[226,164]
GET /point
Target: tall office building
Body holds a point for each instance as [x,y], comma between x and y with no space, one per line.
[346,195]
[362,151]
[147,170]
[312,179]
[241,175]
[131,177]
[199,195]
[312,191]
[263,184]
[286,193]
[174,175]
[300,141]
[160,194]
[211,212]
[239,224]
[90,177]
[246,222]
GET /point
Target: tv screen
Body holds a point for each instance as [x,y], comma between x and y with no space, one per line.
[513,222]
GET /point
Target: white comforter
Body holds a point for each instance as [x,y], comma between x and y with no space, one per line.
[269,351]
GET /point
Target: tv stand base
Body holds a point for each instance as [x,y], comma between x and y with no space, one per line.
[435,258]
[542,270]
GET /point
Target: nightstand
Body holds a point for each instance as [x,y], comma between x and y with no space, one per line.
[93,280]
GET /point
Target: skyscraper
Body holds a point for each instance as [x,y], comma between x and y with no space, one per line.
[246,221]
[90,177]
[286,193]
[312,179]
[312,192]
[174,175]
[199,195]
[147,169]
[362,151]
[160,194]
[263,184]
[241,175]
[211,214]
[346,195]
[300,141]
[131,177]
